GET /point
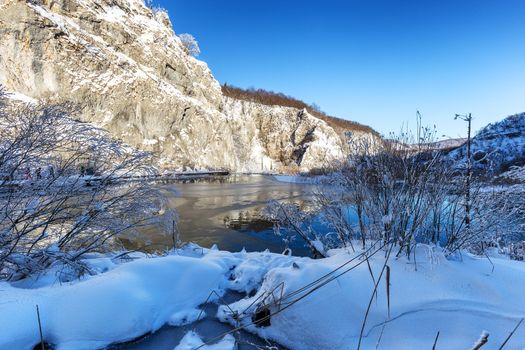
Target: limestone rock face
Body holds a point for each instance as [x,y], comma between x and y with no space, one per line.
[287,136]
[123,64]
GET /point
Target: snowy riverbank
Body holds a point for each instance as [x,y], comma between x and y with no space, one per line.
[460,299]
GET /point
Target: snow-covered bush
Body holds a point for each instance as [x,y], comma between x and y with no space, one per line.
[62,193]
[160,13]
[190,44]
[393,189]
[403,192]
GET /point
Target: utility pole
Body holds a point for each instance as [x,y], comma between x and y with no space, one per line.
[468,119]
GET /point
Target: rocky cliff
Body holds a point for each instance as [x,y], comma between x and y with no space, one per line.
[123,64]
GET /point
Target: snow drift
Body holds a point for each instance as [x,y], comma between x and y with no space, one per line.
[458,298]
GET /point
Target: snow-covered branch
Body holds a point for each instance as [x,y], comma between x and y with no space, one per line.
[61,194]
[190,44]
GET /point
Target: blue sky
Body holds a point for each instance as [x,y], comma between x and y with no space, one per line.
[373,61]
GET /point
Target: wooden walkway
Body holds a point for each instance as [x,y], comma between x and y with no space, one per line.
[89,180]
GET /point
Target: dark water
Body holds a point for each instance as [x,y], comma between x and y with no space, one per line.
[225,211]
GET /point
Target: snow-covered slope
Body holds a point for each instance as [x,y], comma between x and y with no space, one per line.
[125,66]
[515,174]
[448,143]
[496,147]
[309,309]
[430,294]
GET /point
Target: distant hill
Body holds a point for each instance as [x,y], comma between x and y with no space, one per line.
[495,148]
[448,143]
[272,98]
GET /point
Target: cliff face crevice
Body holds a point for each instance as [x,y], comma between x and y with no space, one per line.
[124,65]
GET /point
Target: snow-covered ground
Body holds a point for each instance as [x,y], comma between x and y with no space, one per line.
[460,298]
[516,174]
[193,341]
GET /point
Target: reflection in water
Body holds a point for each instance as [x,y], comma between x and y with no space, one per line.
[248,221]
[225,211]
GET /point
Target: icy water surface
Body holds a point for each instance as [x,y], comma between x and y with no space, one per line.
[225,211]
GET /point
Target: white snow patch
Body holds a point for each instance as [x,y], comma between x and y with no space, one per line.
[21,97]
[184,317]
[131,300]
[150,141]
[457,298]
[193,341]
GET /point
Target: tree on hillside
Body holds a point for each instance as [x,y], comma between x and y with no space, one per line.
[272,98]
[190,43]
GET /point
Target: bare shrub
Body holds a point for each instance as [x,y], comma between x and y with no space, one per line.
[62,193]
[404,192]
[391,188]
[295,221]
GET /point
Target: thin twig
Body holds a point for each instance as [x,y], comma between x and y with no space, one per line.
[208,299]
[40,328]
[388,288]
[372,296]
[435,341]
[511,334]
[483,339]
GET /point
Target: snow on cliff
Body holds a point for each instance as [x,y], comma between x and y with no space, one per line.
[125,66]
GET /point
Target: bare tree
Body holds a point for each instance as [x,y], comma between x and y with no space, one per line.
[190,44]
[62,192]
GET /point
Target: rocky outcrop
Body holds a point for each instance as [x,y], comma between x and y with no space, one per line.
[123,64]
[287,136]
